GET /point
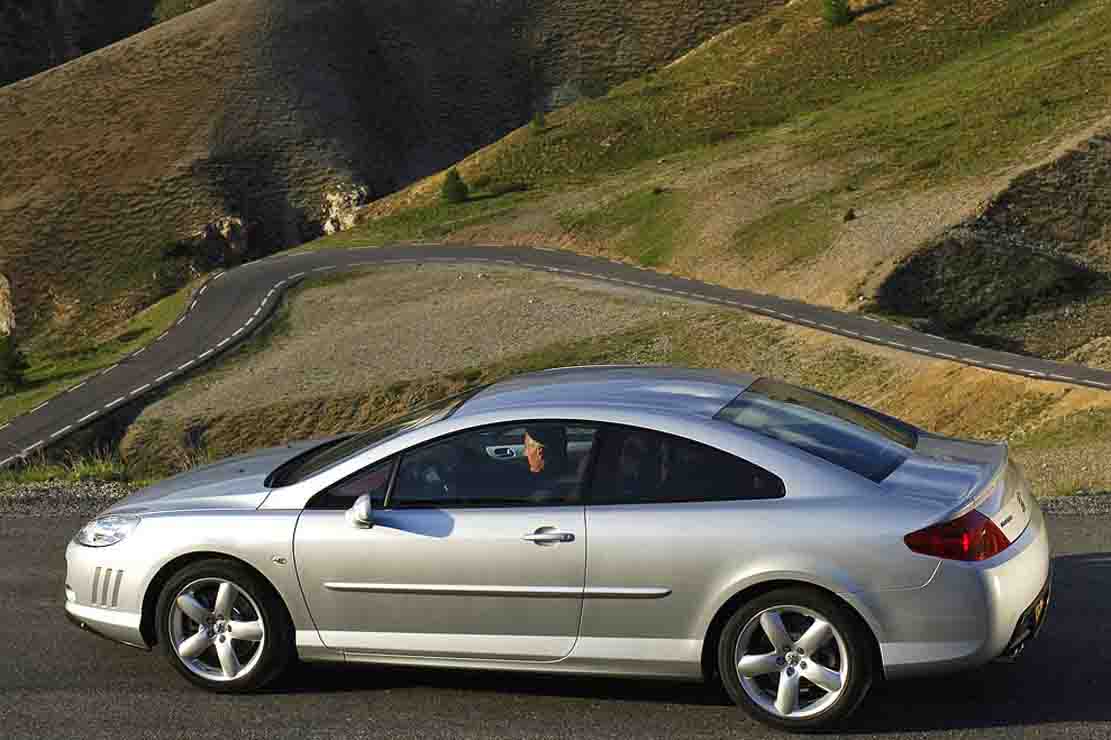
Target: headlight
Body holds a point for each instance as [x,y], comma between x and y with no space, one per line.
[107,530]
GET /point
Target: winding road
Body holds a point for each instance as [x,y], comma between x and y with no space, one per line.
[231,305]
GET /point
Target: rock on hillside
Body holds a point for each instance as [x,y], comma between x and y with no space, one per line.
[274,111]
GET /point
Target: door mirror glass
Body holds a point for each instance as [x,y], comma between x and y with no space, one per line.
[361,513]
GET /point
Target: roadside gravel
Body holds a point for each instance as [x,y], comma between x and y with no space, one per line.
[61,498]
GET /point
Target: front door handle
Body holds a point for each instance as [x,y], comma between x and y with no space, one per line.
[547,536]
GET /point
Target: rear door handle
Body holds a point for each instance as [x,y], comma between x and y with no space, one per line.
[548,537]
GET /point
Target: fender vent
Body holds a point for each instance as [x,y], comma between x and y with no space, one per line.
[104,587]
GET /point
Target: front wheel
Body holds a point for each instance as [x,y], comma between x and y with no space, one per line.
[796,659]
[222,627]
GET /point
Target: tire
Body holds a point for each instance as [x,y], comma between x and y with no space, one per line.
[220,659]
[846,653]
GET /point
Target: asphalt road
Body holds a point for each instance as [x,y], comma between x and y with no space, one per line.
[233,304]
[59,682]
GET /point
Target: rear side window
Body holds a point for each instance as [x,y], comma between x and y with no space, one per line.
[639,466]
[866,442]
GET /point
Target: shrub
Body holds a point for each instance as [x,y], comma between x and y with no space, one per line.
[454,189]
[539,121]
[837,12]
[481,181]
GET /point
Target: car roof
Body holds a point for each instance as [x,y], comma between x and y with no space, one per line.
[669,390]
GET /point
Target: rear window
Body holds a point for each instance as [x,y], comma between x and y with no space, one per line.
[866,442]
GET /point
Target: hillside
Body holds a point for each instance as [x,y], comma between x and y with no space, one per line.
[36,35]
[261,123]
[839,166]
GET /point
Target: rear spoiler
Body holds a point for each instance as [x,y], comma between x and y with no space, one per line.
[996,456]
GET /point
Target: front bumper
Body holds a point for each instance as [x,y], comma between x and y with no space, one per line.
[101,594]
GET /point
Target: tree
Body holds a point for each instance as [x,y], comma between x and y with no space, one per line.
[837,12]
[454,190]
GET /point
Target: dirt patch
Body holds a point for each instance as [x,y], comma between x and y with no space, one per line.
[400,324]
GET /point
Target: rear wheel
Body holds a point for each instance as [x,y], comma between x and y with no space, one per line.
[796,659]
[222,627]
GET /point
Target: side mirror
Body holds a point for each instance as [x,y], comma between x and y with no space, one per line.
[361,513]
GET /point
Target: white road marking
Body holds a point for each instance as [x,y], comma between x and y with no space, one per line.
[874,339]
[28,449]
[270,294]
[1001,367]
[219,275]
[237,332]
[257,311]
[162,336]
[1101,385]
[139,390]
[78,386]
[920,349]
[5,426]
[250,320]
[180,321]
[205,354]
[945,355]
[186,365]
[61,431]
[223,341]
[118,400]
[203,289]
[870,318]
[40,406]
[86,417]
[324,269]
[192,305]
[8,460]
[279,284]
[897,344]
[851,333]
[828,326]
[1037,374]
[296,275]
[1059,377]
[808,321]
[138,352]
[160,378]
[110,369]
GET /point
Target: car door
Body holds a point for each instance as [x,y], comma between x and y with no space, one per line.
[666,515]
[471,555]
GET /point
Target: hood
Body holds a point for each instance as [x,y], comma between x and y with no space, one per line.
[234,483]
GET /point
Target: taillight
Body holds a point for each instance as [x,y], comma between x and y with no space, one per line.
[970,537]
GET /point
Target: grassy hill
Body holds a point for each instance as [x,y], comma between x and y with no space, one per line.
[740,164]
[36,35]
[272,111]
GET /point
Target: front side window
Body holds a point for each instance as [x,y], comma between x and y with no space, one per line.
[523,464]
[373,480]
[866,442]
[639,466]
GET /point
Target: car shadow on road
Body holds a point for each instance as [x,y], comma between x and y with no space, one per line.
[1061,677]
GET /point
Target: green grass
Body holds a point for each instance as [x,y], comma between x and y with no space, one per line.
[52,370]
[927,89]
[792,233]
[99,466]
[1073,430]
[431,221]
[646,224]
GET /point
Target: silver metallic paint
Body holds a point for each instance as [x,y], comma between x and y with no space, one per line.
[833,530]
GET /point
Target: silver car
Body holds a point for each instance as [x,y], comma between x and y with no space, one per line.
[636,521]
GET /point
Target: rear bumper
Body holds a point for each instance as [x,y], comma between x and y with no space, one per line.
[969,613]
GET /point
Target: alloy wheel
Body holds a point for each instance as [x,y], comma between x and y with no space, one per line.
[216,629]
[791,661]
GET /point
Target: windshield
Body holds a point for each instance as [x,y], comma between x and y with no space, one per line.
[861,440]
[327,454]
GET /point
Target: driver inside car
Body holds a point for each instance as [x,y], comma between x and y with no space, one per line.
[546,452]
